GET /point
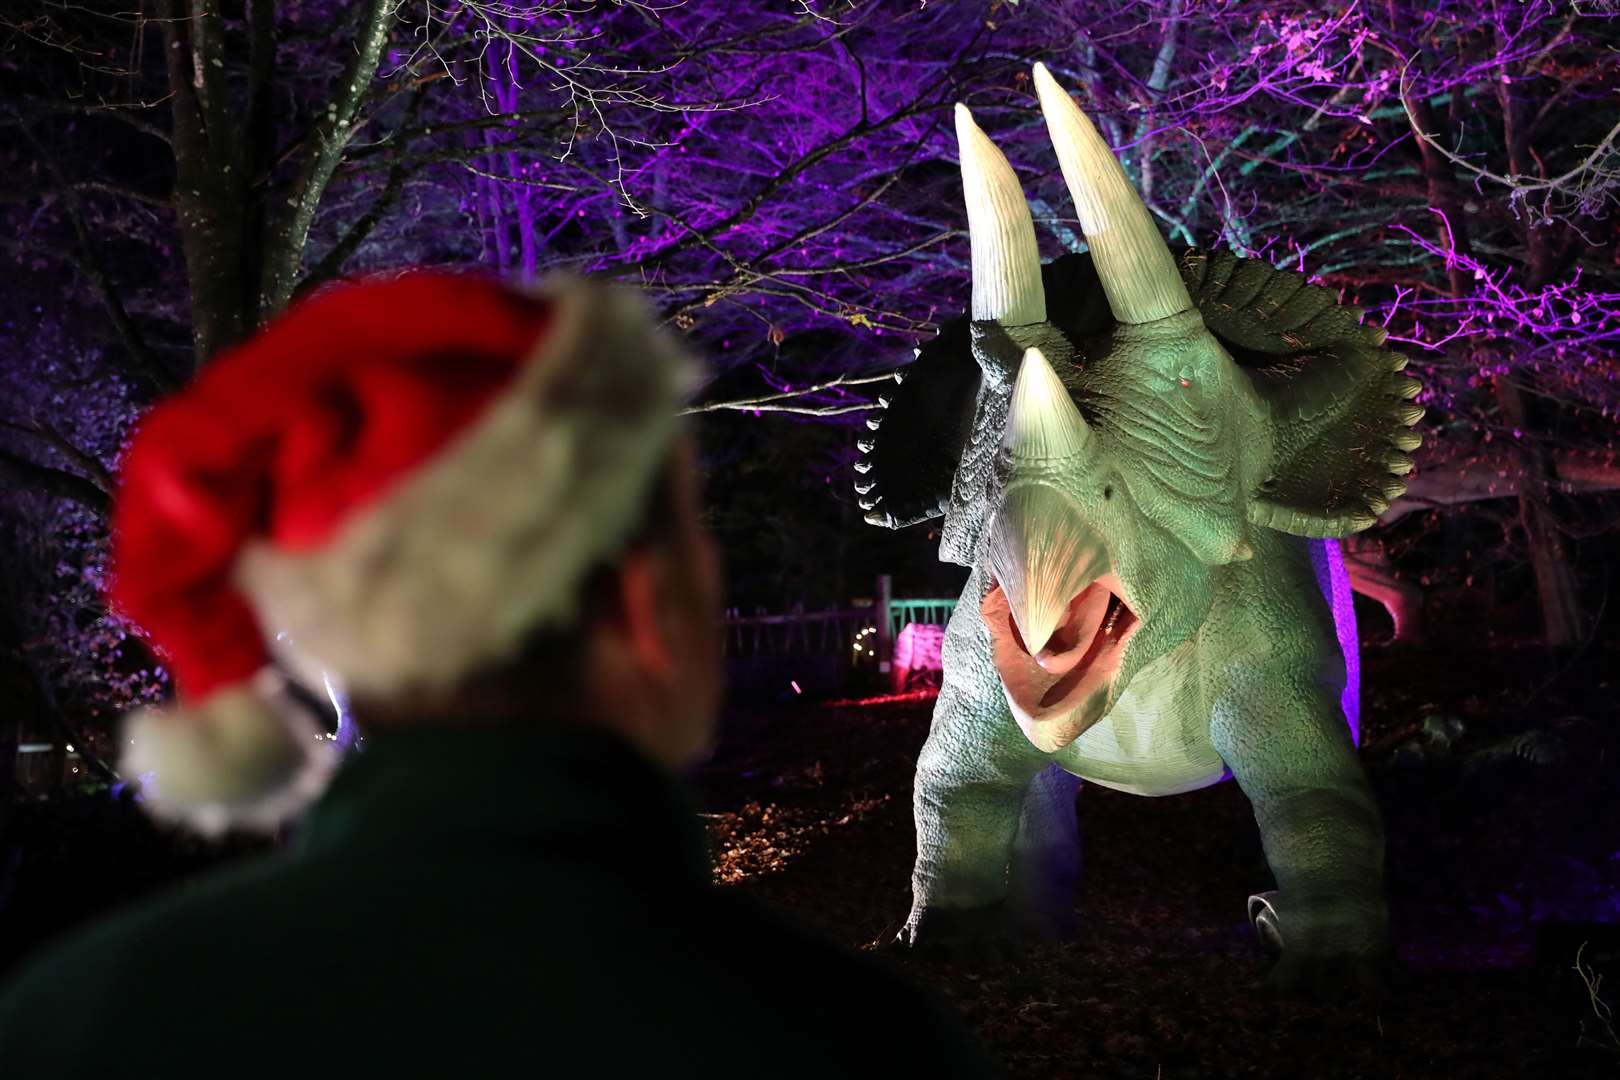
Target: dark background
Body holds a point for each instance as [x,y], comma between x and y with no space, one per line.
[782,182]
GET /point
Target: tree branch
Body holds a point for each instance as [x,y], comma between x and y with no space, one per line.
[58,483]
[162,201]
[772,402]
[122,113]
[324,149]
[1518,184]
[94,268]
[331,264]
[63,445]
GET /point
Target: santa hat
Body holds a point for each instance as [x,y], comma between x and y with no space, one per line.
[402,478]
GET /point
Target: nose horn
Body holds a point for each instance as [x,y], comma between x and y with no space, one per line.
[1043,423]
[1137,272]
[1006,265]
[1040,551]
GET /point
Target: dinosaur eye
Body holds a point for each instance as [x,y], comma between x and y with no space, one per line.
[1108,491]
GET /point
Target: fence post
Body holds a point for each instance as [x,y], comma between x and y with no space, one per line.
[885,629]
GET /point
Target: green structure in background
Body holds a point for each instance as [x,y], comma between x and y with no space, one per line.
[1144,461]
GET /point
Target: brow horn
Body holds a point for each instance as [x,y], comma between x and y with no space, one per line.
[1006,265]
[1137,271]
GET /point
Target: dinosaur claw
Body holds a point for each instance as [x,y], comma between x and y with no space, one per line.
[864,445]
[975,936]
[1263,917]
[1294,968]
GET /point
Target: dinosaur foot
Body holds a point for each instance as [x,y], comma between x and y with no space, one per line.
[1299,971]
[975,935]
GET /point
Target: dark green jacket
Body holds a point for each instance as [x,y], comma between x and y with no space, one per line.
[464,901]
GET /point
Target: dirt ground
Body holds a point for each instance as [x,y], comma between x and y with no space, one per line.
[1499,775]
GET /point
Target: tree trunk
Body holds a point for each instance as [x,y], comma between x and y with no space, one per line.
[16,706]
[1562,619]
[13,685]
[242,234]
[1561,615]
[210,193]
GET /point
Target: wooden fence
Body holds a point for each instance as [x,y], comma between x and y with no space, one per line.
[835,632]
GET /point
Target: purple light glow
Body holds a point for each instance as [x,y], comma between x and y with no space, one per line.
[1327,560]
[796,210]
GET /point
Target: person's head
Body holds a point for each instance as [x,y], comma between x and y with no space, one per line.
[462,503]
[642,657]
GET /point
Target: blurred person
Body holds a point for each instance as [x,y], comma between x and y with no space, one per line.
[478,509]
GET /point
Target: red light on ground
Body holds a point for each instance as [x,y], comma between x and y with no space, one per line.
[884,699]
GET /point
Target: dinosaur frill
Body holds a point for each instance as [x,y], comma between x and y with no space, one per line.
[1339,406]
[1341,410]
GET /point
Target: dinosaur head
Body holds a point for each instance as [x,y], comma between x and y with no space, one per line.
[1126,457]
[1104,431]
[1086,584]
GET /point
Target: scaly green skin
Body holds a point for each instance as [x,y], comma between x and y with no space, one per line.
[1260,694]
[1239,667]
[1150,456]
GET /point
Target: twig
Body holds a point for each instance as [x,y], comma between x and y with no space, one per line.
[1519,185]
[769,402]
[1600,1008]
[57,482]
[53,438]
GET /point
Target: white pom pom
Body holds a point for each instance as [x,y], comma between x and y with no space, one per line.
[247,756]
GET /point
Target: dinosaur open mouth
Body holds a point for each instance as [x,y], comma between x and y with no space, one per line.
[1059,691]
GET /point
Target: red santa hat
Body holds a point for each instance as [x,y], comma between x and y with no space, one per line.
[399,479]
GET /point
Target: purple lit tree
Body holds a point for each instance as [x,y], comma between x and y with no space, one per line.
[782,180]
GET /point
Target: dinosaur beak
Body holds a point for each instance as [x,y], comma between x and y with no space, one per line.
[1056,614]
[1006,266]
[1040,551]
[1138,274]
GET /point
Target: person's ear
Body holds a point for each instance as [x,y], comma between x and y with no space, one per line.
[640,607]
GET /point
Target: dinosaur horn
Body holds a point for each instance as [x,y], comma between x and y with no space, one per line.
[1006,265]
[1043,423]
[1042,555]
[1138,274]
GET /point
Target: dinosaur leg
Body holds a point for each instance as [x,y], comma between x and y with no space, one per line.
[1285,741]
[971,780]
[1046,856]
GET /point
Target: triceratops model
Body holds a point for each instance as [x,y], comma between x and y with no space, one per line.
[1144,460]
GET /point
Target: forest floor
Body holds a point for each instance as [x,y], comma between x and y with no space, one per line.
[1499,777]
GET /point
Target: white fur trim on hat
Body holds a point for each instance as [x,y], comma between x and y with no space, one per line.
[452,568]
[246,755]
